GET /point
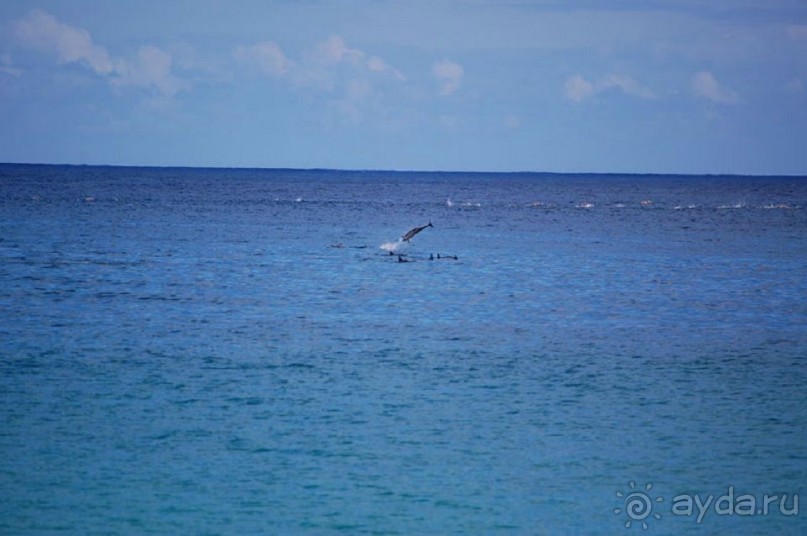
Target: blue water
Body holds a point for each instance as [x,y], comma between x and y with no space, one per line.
[214,351]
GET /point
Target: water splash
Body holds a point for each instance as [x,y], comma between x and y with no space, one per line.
[392,247]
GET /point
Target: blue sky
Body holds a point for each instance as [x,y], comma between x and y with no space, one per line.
[685,86]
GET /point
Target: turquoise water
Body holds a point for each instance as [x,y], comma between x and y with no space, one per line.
[231,352]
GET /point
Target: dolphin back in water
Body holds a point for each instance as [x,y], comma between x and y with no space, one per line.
[413,232]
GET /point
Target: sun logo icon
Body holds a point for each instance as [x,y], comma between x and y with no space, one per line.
[638,505]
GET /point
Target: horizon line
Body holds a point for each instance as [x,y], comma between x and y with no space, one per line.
[405,171]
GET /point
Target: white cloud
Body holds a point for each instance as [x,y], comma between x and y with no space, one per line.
[267,56]
[41,31]
[449,76]
[323,67]
[578,89]
[151,68]
[334,50]
[11,71]
[706,86]
[376,64]
[627,85]
[199,67]
[7,66]
[353,80]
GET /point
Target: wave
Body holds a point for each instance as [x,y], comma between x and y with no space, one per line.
[463,204]
[780,206]
[588,205]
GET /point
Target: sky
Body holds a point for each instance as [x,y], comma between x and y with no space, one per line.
[624,86]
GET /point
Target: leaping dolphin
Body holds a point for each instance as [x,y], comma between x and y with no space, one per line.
[413,232]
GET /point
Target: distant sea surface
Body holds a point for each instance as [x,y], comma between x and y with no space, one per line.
[225,351]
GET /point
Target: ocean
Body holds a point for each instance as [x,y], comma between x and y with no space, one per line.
[245,351]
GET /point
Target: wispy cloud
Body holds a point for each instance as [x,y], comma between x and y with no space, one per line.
[7,66]
[578,89]
[376,64]
[705,86]
[449,76]
[334,50]
[41,31]
[151,68]
[266,56]
[628,86]
[317,68]
[351,78]
[320,66]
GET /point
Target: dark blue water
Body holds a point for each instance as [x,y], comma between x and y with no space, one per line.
[212,351]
